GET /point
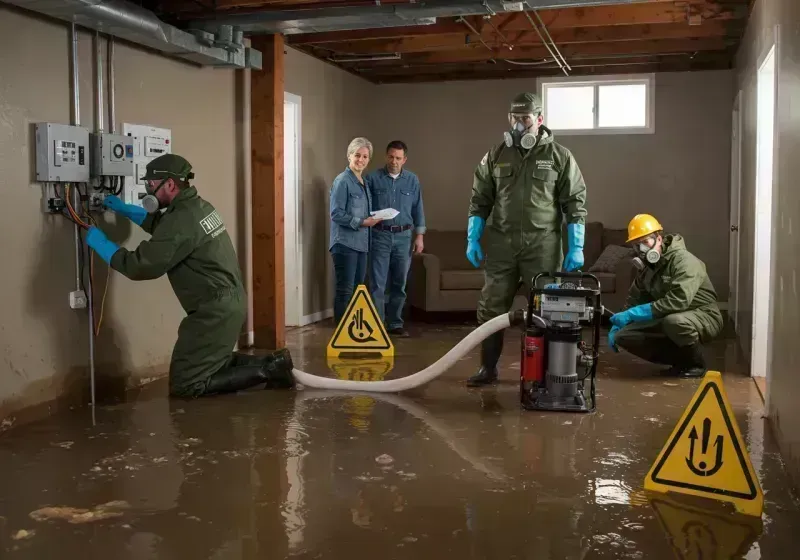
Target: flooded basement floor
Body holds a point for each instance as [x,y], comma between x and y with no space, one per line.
[442,472]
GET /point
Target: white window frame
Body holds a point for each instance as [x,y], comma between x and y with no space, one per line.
[648,79]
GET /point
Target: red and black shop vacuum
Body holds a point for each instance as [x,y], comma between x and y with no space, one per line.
[556,362]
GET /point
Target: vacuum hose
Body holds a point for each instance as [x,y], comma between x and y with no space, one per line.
[421,377]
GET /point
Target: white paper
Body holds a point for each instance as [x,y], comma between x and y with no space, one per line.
[385,214]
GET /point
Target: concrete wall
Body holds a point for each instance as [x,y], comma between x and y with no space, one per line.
[784,382]
[449,126]
[336,107]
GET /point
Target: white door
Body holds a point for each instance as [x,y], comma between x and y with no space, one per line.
[765,141]
[736,193]
[291,202]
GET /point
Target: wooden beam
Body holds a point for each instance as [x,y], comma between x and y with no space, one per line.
[561,37]
[379,33]
[266,133]
[583,70]
[481,54]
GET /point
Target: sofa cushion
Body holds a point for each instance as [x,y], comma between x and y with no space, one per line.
[451,249]
[610,258]
[462,279]
[608,282]
[615,237]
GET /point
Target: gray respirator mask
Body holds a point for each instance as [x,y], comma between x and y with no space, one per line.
[149,202]
[518,136]
[645,255]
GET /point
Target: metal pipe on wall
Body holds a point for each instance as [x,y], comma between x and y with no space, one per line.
[112,116]
[98,56]
[76,121]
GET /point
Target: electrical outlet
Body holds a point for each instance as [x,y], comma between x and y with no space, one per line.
[77,299]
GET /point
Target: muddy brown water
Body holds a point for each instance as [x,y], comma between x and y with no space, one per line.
[440,472]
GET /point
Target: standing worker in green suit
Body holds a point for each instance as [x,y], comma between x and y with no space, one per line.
[672,305]
[189,243]
[529,184]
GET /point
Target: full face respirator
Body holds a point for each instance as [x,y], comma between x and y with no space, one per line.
[519,136]
[645,254]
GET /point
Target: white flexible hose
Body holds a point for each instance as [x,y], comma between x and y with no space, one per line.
[414,380]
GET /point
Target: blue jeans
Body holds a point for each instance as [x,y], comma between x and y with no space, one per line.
[390,257]
[350,268]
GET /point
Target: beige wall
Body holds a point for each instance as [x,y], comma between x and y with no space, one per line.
[449,126]
[336,107]
[784,381]
[44,343]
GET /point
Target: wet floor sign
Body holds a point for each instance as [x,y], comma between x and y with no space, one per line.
[706,456]
[361,329]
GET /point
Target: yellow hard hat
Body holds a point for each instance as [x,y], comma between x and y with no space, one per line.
[642,225]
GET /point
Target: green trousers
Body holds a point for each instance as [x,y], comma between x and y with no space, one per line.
[657,341]
[510,260]
[206,338]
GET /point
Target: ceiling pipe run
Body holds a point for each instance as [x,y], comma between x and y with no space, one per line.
[127,21]
[372,15]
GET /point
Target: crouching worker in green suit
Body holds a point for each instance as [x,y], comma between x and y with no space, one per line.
[672,306]
[189,243]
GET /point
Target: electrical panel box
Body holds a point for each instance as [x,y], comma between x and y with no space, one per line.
[62,153]
[112,155]
[148,143]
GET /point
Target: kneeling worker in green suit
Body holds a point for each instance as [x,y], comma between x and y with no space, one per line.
[672,306]
[189,243]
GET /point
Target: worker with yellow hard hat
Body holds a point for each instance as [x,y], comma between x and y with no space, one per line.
[672,306]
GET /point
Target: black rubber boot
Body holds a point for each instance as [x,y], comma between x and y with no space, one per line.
[230,379]
[278,369]
[491,349]
[690,363]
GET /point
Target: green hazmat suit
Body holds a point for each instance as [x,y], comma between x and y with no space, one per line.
[189,243]
[684,305]
[524,196]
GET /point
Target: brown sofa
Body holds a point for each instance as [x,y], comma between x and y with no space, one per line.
[442,279]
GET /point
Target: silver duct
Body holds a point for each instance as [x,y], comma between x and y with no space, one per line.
[370,16]
[127,21]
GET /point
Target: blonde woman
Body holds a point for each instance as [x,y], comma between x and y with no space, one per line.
[350,206]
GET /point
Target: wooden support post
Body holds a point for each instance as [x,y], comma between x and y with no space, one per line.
[266,133]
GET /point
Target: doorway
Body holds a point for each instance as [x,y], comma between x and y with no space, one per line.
[291,207]
[762,284]
[736,193]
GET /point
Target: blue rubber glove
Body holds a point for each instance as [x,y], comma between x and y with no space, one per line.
[134,213]
[98,241]
[611,342]
[574,257]
[633,315]
[474,232]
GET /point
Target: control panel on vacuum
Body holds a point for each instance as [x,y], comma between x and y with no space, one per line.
[61,153]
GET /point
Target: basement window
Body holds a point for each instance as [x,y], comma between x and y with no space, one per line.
[600,105]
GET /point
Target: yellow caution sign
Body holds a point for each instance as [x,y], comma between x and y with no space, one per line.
[698,534]
[361,329]
[706,456]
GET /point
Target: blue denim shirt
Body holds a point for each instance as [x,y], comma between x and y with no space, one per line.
[404,194]
[350,205]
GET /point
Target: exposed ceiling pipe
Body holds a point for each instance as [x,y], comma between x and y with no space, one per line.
[547,46]
[371,15]
[549,38]
[129,22]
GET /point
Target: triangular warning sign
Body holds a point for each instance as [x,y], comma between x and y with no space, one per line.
[706,456]
[696,533]
[361,329]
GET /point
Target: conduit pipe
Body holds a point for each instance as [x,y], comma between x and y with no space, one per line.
[549,38]
[426,375]
[547,46]
[76,121]
[112,115]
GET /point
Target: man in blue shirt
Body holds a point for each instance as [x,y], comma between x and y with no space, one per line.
[390,250]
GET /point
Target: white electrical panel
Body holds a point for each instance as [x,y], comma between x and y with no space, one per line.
[62,153]
[148,143]
[112,155]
